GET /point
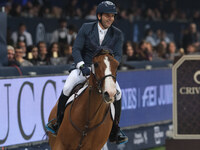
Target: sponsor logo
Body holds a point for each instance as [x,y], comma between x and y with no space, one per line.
[158,135]
[140,138]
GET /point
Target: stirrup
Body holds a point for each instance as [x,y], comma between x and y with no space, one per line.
[49,127]
[118,137]
[125,138]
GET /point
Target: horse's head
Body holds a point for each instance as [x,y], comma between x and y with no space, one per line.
[104,69]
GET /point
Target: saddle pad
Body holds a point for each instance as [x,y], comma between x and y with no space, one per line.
[71,98]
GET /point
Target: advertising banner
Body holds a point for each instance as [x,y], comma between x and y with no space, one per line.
[25,103]
[186,105]
[146,96]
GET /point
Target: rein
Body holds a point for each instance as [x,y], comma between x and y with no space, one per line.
[87,129]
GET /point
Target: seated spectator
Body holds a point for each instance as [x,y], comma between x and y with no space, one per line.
[43,54]
[142,52]
[149,37]
[19,57]
[22,44]
[130,52]
[11,56]
[33,55]
[67,58]
[171,51]
[150,51]
[22,35]
[160,52]
[161,36]
[192,50]
[55,55]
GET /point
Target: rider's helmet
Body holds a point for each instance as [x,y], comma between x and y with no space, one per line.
[106,7]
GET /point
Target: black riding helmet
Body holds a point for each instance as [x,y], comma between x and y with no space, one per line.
[106,7]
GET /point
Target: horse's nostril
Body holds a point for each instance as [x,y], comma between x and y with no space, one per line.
[105,94]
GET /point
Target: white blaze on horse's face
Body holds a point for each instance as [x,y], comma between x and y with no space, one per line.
[110,85]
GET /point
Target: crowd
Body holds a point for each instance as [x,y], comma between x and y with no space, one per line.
[155,45]
[22,52]
[155,10]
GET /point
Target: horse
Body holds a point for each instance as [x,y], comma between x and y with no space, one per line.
[87,120]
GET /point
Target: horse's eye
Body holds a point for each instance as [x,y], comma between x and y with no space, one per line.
[96,65]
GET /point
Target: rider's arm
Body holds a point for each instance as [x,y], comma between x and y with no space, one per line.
[78,47]
[118,47]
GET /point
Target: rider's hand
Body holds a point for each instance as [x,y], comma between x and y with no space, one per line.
[85,70]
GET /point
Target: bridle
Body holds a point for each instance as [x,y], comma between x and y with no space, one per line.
[100,81]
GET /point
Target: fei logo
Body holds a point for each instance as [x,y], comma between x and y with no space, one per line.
[197,73]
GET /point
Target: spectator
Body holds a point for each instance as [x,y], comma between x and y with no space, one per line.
[22,35]
[60,34]
[191,36]
[160,52]
[55,55]
[129,52]
[67,54]
[161,36]
[142,53]
[22,44]
[171,51]
[19,57]
[33,55]
[149,37]
[11,56]
[43,57]
[191,50]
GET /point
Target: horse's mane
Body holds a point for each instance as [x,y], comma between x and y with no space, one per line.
[102,51]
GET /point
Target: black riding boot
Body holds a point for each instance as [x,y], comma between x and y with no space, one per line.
[116,135]
[60,113]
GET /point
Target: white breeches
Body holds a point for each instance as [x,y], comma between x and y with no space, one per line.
[76,77]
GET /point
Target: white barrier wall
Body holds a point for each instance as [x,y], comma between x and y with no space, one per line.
[25,104]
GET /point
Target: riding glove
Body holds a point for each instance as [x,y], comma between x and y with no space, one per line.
[85,70]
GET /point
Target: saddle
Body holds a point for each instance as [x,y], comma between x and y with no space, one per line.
[76,91]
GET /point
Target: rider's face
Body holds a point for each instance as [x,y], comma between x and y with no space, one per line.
[107,19]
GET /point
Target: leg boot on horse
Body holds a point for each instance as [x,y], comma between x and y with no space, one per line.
[116,135]
[53,127]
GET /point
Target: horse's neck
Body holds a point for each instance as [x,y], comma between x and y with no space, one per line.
[95,100]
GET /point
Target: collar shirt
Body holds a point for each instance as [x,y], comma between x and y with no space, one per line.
[102,33]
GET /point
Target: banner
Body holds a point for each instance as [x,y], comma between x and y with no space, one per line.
[25,103]
[186,106]
[146,96]
[25,106]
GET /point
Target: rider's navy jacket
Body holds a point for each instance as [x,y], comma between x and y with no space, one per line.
[87,41]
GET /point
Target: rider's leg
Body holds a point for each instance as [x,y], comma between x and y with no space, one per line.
[116,135]
[74,78]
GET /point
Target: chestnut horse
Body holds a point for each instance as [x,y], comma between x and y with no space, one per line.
[87,120]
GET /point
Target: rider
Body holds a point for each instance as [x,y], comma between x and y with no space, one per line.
[92,36]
